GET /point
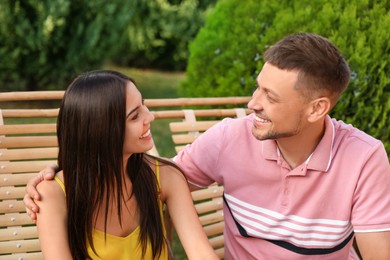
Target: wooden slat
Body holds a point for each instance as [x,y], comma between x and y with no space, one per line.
[9,179]
[214,229]
[27,129]
[18,233]
[23,256]
[28,141]
[184,138]
[211,218]
[20,246]
[213,191]
[31,95]
[192,126]
[30,113]
[15,219]
[172,102]
[217,241]
[179,148]
[199,113]
[207,206]
[11,192]
[12,206]
[29,153]
[24,166]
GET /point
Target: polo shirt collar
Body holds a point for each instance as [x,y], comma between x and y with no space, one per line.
[319,160]
[322,156]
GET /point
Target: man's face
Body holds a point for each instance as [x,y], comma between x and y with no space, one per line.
[279,108]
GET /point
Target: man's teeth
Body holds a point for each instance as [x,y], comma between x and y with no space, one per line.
[261,120]
[145,134]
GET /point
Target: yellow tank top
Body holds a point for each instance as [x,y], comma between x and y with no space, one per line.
[114,247]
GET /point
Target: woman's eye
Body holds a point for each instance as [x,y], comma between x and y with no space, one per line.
[135,117]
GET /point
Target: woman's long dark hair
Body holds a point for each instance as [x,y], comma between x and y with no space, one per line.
[91,132]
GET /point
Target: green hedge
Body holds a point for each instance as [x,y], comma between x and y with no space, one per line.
[45,43]
[226,55]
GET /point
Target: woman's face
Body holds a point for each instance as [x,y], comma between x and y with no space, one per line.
[138,138]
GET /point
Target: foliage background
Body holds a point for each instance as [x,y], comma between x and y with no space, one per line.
[159,33]
[226,55]
[45,43]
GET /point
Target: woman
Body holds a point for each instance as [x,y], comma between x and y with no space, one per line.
[107,199]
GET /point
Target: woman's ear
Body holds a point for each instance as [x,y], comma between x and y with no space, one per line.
[319,108]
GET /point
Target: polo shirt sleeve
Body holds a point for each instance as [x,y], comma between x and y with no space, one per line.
[199,160]
[371,205]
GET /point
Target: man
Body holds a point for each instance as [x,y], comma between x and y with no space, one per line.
[298,184]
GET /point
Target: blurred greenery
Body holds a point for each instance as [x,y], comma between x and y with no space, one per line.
[44,43]
[160,31]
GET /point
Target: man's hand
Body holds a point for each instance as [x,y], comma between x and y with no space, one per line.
[31,192]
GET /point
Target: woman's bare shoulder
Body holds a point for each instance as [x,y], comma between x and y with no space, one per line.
[49,188]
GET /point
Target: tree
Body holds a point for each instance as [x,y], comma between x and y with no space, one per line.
[45,43]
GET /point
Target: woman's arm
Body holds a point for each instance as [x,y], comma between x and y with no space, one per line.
[52,221]
[176,194]
[375,245]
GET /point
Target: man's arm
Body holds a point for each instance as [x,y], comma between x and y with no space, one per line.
[374,245]
[32,193]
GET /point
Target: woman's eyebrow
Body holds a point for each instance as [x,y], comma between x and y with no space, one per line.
[132,111]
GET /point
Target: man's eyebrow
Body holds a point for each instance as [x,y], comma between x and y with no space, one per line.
[267,90]
[132,111]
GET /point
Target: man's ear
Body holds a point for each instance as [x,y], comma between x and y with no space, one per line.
[319,108]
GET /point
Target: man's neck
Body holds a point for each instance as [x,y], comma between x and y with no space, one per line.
[297,149]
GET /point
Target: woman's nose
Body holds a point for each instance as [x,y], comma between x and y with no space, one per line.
[149,116]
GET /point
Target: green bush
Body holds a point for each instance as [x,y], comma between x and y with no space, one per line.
[44,43]
[226,55]
[159,33]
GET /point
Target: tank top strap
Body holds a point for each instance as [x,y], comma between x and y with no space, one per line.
[158,173]
[60,183]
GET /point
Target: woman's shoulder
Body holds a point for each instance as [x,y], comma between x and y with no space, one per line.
[170,177]
[49,188]
[167,168]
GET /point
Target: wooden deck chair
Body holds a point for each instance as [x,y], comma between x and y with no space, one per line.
[25,149]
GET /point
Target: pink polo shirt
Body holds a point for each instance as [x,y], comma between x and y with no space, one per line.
[310,212]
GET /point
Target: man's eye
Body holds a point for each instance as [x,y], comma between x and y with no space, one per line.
[270,99]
